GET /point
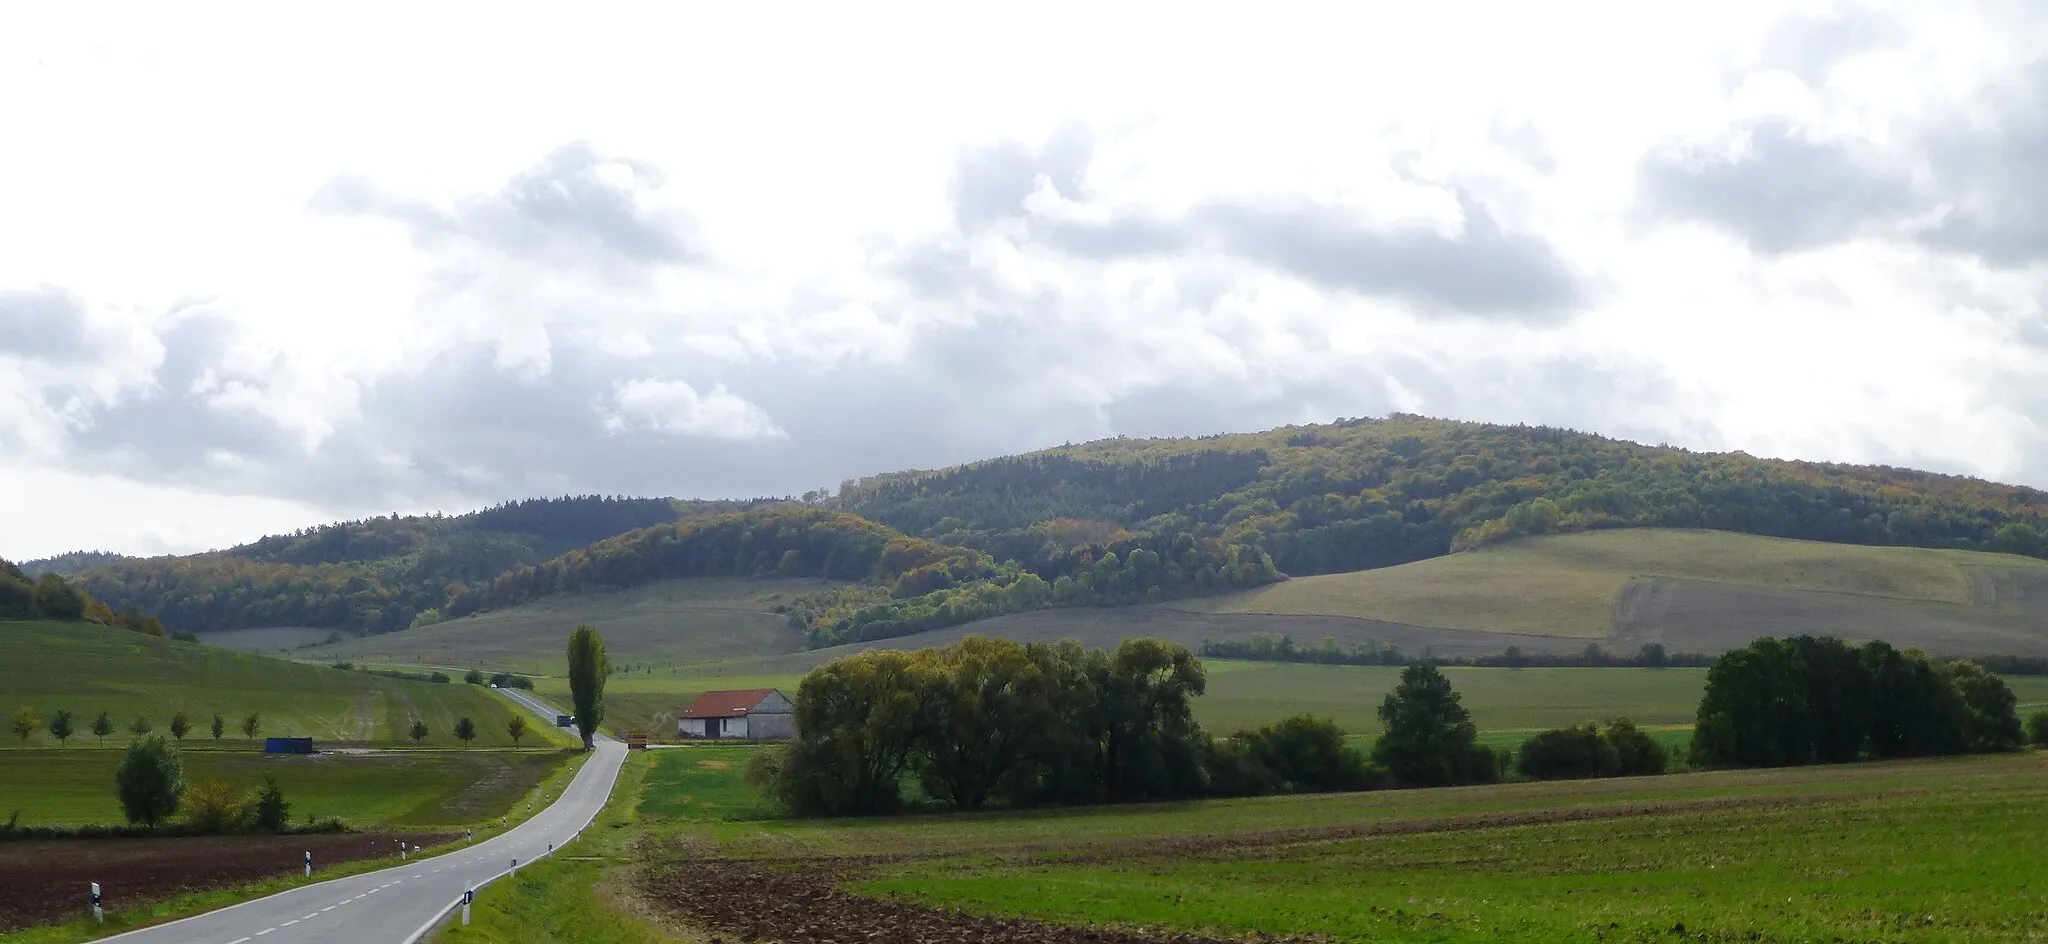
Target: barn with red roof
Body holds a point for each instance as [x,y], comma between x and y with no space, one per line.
[752,714]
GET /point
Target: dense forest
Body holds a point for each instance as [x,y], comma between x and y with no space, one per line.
[1110,522]
[51,597]
[1368,493]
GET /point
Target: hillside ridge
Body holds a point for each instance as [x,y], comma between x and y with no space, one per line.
[1113,521]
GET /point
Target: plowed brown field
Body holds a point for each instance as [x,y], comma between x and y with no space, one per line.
[48,881]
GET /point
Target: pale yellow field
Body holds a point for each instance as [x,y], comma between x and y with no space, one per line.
[1568,585]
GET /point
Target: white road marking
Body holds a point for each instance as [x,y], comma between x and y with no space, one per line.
[289,923]
[265,931]
[239,940]
[312,915]
[328,909]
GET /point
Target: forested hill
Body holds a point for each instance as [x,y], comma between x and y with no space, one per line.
[1375,492]
[65,565]
[1114,521]
[375,574]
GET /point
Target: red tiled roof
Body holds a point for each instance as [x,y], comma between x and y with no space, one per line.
[726,704]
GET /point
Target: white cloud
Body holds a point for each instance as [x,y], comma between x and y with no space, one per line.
[457,278]
[676,408]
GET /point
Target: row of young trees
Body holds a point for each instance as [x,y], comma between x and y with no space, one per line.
[62,726]
[1807,699]
[989,721]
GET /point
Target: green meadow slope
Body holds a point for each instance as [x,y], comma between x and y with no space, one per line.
[87,669]
[703,619]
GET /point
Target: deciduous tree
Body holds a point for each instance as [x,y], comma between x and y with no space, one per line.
[516,727]
[1429,739]
[60,727]
[150,780]
[180,726]
[465,730]
[26,721]
[102,726]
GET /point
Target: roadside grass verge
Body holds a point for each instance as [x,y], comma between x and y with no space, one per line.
[583,893]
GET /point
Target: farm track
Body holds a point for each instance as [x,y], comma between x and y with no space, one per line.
[45,880]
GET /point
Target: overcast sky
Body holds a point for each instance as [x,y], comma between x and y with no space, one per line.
[259,271]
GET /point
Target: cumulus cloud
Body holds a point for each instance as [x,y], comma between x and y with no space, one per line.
[675,407]
[624,291]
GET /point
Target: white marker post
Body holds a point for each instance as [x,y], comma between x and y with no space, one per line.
[97,914]
[401,850]
[309,863]
[467,897]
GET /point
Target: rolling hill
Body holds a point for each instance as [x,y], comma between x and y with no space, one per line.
[87,669]
[1173,533]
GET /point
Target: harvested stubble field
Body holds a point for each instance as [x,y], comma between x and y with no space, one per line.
[1923,851]
[46,881]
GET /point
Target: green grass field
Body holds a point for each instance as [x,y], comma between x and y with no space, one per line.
[1571,585]
[1923,851]
[405,788]
[87,669]
[674,621]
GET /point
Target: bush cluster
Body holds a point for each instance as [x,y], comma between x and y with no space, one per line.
[1622,750]
[1812,699]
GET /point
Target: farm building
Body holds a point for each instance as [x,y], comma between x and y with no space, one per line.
[752,714]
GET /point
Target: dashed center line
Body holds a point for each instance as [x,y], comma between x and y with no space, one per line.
[328,909]
[289,923]
[239,940]
[265,931]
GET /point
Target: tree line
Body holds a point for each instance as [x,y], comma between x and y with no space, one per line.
[1270,647]
[993,722]
[1806,700]
[934,597]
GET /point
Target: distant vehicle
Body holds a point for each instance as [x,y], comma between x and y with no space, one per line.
[563,721]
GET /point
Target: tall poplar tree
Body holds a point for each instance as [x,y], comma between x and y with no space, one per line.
[587,671]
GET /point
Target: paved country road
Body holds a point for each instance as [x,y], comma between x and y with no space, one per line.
[399,905]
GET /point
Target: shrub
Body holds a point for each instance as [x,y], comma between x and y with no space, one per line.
[272,813]
[1568,754]
[1638,753]
[438,677]
[473,677]
[216,806]
[1305,754]
[150,780]
[2037,728]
